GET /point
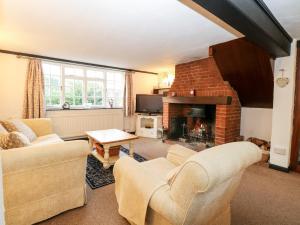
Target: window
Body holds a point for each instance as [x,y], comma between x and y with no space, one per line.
[82,87]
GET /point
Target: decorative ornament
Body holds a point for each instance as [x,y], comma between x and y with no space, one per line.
[66,105]
[282,81]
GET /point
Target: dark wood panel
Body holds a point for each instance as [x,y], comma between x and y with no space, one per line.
[296,123]
[201,100]
[253,19]
[248,69]
[72,61]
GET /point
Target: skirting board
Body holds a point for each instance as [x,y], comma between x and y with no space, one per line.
[280,168]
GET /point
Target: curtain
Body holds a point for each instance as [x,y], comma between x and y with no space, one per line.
[34,99]
[129,98]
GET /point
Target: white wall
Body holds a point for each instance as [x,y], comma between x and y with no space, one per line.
[12,83]
[256,122]
[283,106]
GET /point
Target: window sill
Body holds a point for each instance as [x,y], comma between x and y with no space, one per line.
[59,109]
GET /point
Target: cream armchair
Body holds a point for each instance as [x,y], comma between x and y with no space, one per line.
[45,178]
[184,188]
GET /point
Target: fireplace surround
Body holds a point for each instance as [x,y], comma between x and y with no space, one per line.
[203,76]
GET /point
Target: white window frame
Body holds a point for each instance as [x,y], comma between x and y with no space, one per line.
[85,80]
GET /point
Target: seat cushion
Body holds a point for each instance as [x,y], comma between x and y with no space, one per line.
[160,167]
[47,139]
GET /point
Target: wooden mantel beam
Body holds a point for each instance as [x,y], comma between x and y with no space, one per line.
[200,100]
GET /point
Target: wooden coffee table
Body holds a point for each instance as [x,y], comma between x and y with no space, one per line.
[110,138]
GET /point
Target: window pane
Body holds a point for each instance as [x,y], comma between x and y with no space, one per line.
[54,100]
[52,82]
[99,89]
[55,70]
[69,83]
[95,74]
[90,100]
[48,101]
[98,101]
[110,76]
[47,90]
[78,88]
[69,91]
[46,68]
[55,81]
[73,71]
[90,88]
[78,101]
[47,80]
[69,100]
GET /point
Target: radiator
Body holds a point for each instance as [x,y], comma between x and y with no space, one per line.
[73,123]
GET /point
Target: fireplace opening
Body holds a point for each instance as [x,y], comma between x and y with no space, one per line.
[195,125]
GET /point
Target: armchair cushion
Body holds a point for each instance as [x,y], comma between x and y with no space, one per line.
[177,154]
[160,167]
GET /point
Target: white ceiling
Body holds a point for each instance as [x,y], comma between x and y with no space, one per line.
[287,12]
[151,35]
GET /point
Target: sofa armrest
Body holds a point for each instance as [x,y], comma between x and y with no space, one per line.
[41,126]
[178,154]
[31,157]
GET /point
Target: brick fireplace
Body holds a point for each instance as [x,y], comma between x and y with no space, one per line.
[203,76]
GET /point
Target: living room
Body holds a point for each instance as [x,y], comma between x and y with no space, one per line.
[188,110]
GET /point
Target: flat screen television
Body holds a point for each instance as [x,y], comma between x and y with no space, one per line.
[149,103]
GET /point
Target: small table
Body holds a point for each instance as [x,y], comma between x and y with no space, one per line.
[110,138]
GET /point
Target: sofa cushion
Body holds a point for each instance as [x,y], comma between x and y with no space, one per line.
[47,139]
[24,129]
[2,130]
[8,125]
[160,167]
[13,140]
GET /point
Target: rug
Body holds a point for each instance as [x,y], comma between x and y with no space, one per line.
[97,176]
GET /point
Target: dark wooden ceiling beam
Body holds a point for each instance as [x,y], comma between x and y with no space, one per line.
[253,19]
[75,62]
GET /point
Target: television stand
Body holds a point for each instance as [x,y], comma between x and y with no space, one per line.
[149,126]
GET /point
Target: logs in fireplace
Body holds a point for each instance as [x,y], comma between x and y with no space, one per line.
[195,125]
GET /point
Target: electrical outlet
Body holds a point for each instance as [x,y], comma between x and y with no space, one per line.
[280,150]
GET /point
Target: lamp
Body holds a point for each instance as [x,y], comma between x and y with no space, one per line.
[282,81]
[165,80]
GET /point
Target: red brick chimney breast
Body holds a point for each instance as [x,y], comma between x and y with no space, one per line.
[204,77]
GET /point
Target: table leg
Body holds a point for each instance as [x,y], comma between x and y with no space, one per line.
[131,149]
[91,144]
[106,157]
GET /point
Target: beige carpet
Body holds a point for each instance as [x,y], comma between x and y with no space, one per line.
[265,197]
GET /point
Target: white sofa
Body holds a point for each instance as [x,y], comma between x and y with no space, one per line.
[186,188]
[45,178]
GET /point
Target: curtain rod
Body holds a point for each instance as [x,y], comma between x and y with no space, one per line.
[22,54]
